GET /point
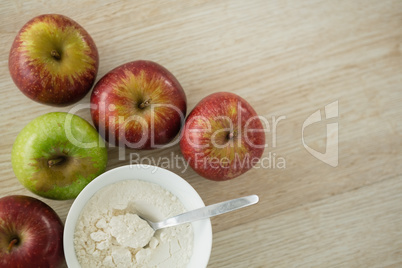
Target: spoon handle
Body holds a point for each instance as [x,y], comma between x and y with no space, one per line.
[208,211]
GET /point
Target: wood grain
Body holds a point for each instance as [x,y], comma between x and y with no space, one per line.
[288,59]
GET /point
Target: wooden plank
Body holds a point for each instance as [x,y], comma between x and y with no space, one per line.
[348,230]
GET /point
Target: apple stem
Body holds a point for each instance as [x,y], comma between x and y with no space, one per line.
[13,242]
[53,162]
[232,134]
[145,103]
[55,54]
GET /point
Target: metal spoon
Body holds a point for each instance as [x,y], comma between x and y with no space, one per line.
[204,212]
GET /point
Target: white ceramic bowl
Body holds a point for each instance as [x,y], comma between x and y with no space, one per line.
[166,179]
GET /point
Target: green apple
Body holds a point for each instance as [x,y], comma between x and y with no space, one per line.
[57,154]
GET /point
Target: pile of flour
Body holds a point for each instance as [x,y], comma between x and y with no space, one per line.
[109,232]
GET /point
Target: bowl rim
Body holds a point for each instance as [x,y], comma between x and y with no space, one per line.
[202,242]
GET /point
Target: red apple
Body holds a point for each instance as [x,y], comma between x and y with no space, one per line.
[31,233]
[53,60]
[223,137]
[139,105]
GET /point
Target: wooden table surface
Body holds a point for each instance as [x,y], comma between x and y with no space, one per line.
[288,59]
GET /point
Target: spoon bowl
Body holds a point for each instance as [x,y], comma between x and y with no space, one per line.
[202,240]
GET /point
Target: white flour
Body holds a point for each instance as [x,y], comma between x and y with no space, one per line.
[110,234]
